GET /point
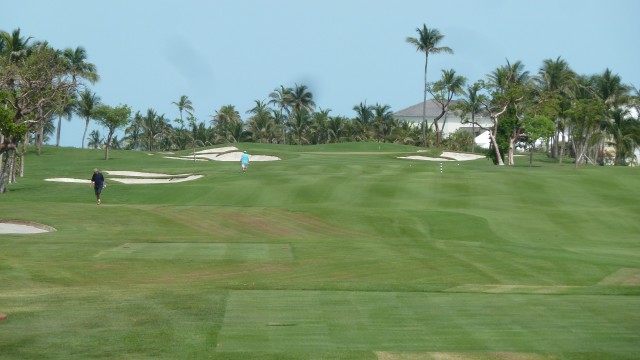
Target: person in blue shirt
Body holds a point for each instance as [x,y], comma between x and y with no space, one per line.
[244,161]
[97,180]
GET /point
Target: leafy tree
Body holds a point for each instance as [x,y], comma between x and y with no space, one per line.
[427,42]
[112,118]
[585,115]
[536,128]
[555,83]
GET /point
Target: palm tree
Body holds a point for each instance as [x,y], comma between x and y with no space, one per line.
[95,140]
[184,104]
[78,67]
[621,129]
[301,99]
[320,126]
[261,124]
[14,46]
[364,119]
[335,128]
[133,133]
[443,91]
[471,104]
[225,121]
[88,102]
[382,121]
[555,81]
[609,88]
[427,42]
[65,110]
[280,98]
[299,123]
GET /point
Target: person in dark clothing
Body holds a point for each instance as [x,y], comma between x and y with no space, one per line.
[97,180]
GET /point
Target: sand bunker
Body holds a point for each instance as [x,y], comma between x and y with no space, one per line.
[229,153]
[69,180]
[142,174]
[156,181]
[23,227]
[446,156]
[135,177]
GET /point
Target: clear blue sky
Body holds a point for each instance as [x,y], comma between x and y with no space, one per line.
[149,53]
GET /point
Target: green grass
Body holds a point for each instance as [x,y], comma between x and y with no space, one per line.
[338,251]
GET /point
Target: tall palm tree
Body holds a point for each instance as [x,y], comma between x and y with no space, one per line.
[88,102]
[427,42]
[78,67]
[184,104]
[280,98]
[65,110]
[300,98]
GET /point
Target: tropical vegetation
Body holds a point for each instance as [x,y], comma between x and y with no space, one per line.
[595,117]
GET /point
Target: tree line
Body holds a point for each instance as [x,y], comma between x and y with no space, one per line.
[577,116]
[593,118]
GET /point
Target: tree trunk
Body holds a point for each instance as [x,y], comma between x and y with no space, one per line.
[4,175]
[23,151]
[84,135]
[424,101]
[512,141]
[495,146]
[58,131]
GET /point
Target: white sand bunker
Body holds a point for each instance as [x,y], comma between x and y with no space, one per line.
[23,227]
[445,156]
[156,181]
[229,153]
[69,180]
[134,177]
